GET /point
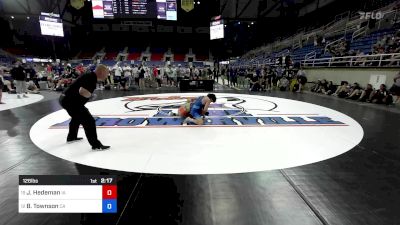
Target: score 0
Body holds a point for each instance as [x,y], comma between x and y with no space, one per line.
[109,198]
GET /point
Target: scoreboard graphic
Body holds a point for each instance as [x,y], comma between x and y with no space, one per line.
[67,194]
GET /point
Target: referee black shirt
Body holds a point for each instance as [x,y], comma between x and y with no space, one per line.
[87,81]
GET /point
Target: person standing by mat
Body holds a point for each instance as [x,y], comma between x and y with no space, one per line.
[1,84]
[19,75]
[74,99]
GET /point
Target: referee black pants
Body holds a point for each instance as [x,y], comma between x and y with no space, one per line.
[80,115]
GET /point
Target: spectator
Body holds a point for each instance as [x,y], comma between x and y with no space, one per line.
[196,73]
[283,84]
[330,89]
[32,88]
[135,74]
[395,89]
[262,82]
[302,80]
[271,79]
[215,74]
[210,73]
[223,75]
[241,77]
[381,96]
[394,47]
[322,86]
[254,83]
[360,61]
[230,77]
[1,84]
[316,86]
[366,94]
[275,78]
[355,92]
[343,90]
[147,76]
[127,73]
[249,77]
[19,75]
[31,74]
[234,77]
[180,73]
[80,69]
[117,74]
[200,74]
[174,76]
[141,77]
[279,72]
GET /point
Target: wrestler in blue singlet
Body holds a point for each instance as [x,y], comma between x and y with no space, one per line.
[197,108]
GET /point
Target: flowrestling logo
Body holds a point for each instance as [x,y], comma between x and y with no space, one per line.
[229,111]
[373,15]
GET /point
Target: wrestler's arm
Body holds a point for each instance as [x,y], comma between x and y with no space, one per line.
[85,93]
[208,101]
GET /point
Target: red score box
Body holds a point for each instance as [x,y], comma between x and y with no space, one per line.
[109,191]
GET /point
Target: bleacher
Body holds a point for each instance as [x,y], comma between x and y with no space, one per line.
[301,46]
[86,62]
[134,56]
[108,55]
[365,44]
[112,53]
[86,55]
[88,52]
[300,53]
[201,54]
[18,51]
[6,57]
[157,54]
[134,53]
[108,62]
[180,54]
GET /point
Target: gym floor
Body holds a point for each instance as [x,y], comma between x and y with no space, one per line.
[361,186]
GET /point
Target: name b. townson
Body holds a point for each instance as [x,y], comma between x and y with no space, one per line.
[45,206]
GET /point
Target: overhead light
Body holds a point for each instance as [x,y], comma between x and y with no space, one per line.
[225,25]
[27,17]
[252,23]
[198,2]
[12,17]
[239,22]
[248,25]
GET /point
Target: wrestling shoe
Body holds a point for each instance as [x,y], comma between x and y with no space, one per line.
[74,140]
[172,114]
[186,121]
[100,148]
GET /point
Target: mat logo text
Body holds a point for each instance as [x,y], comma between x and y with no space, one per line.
[217,118]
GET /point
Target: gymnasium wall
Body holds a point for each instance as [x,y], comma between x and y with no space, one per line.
[359,75]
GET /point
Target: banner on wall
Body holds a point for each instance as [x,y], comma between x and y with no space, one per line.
[187,5]
[376,80]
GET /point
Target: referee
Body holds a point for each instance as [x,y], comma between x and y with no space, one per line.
[74,99]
